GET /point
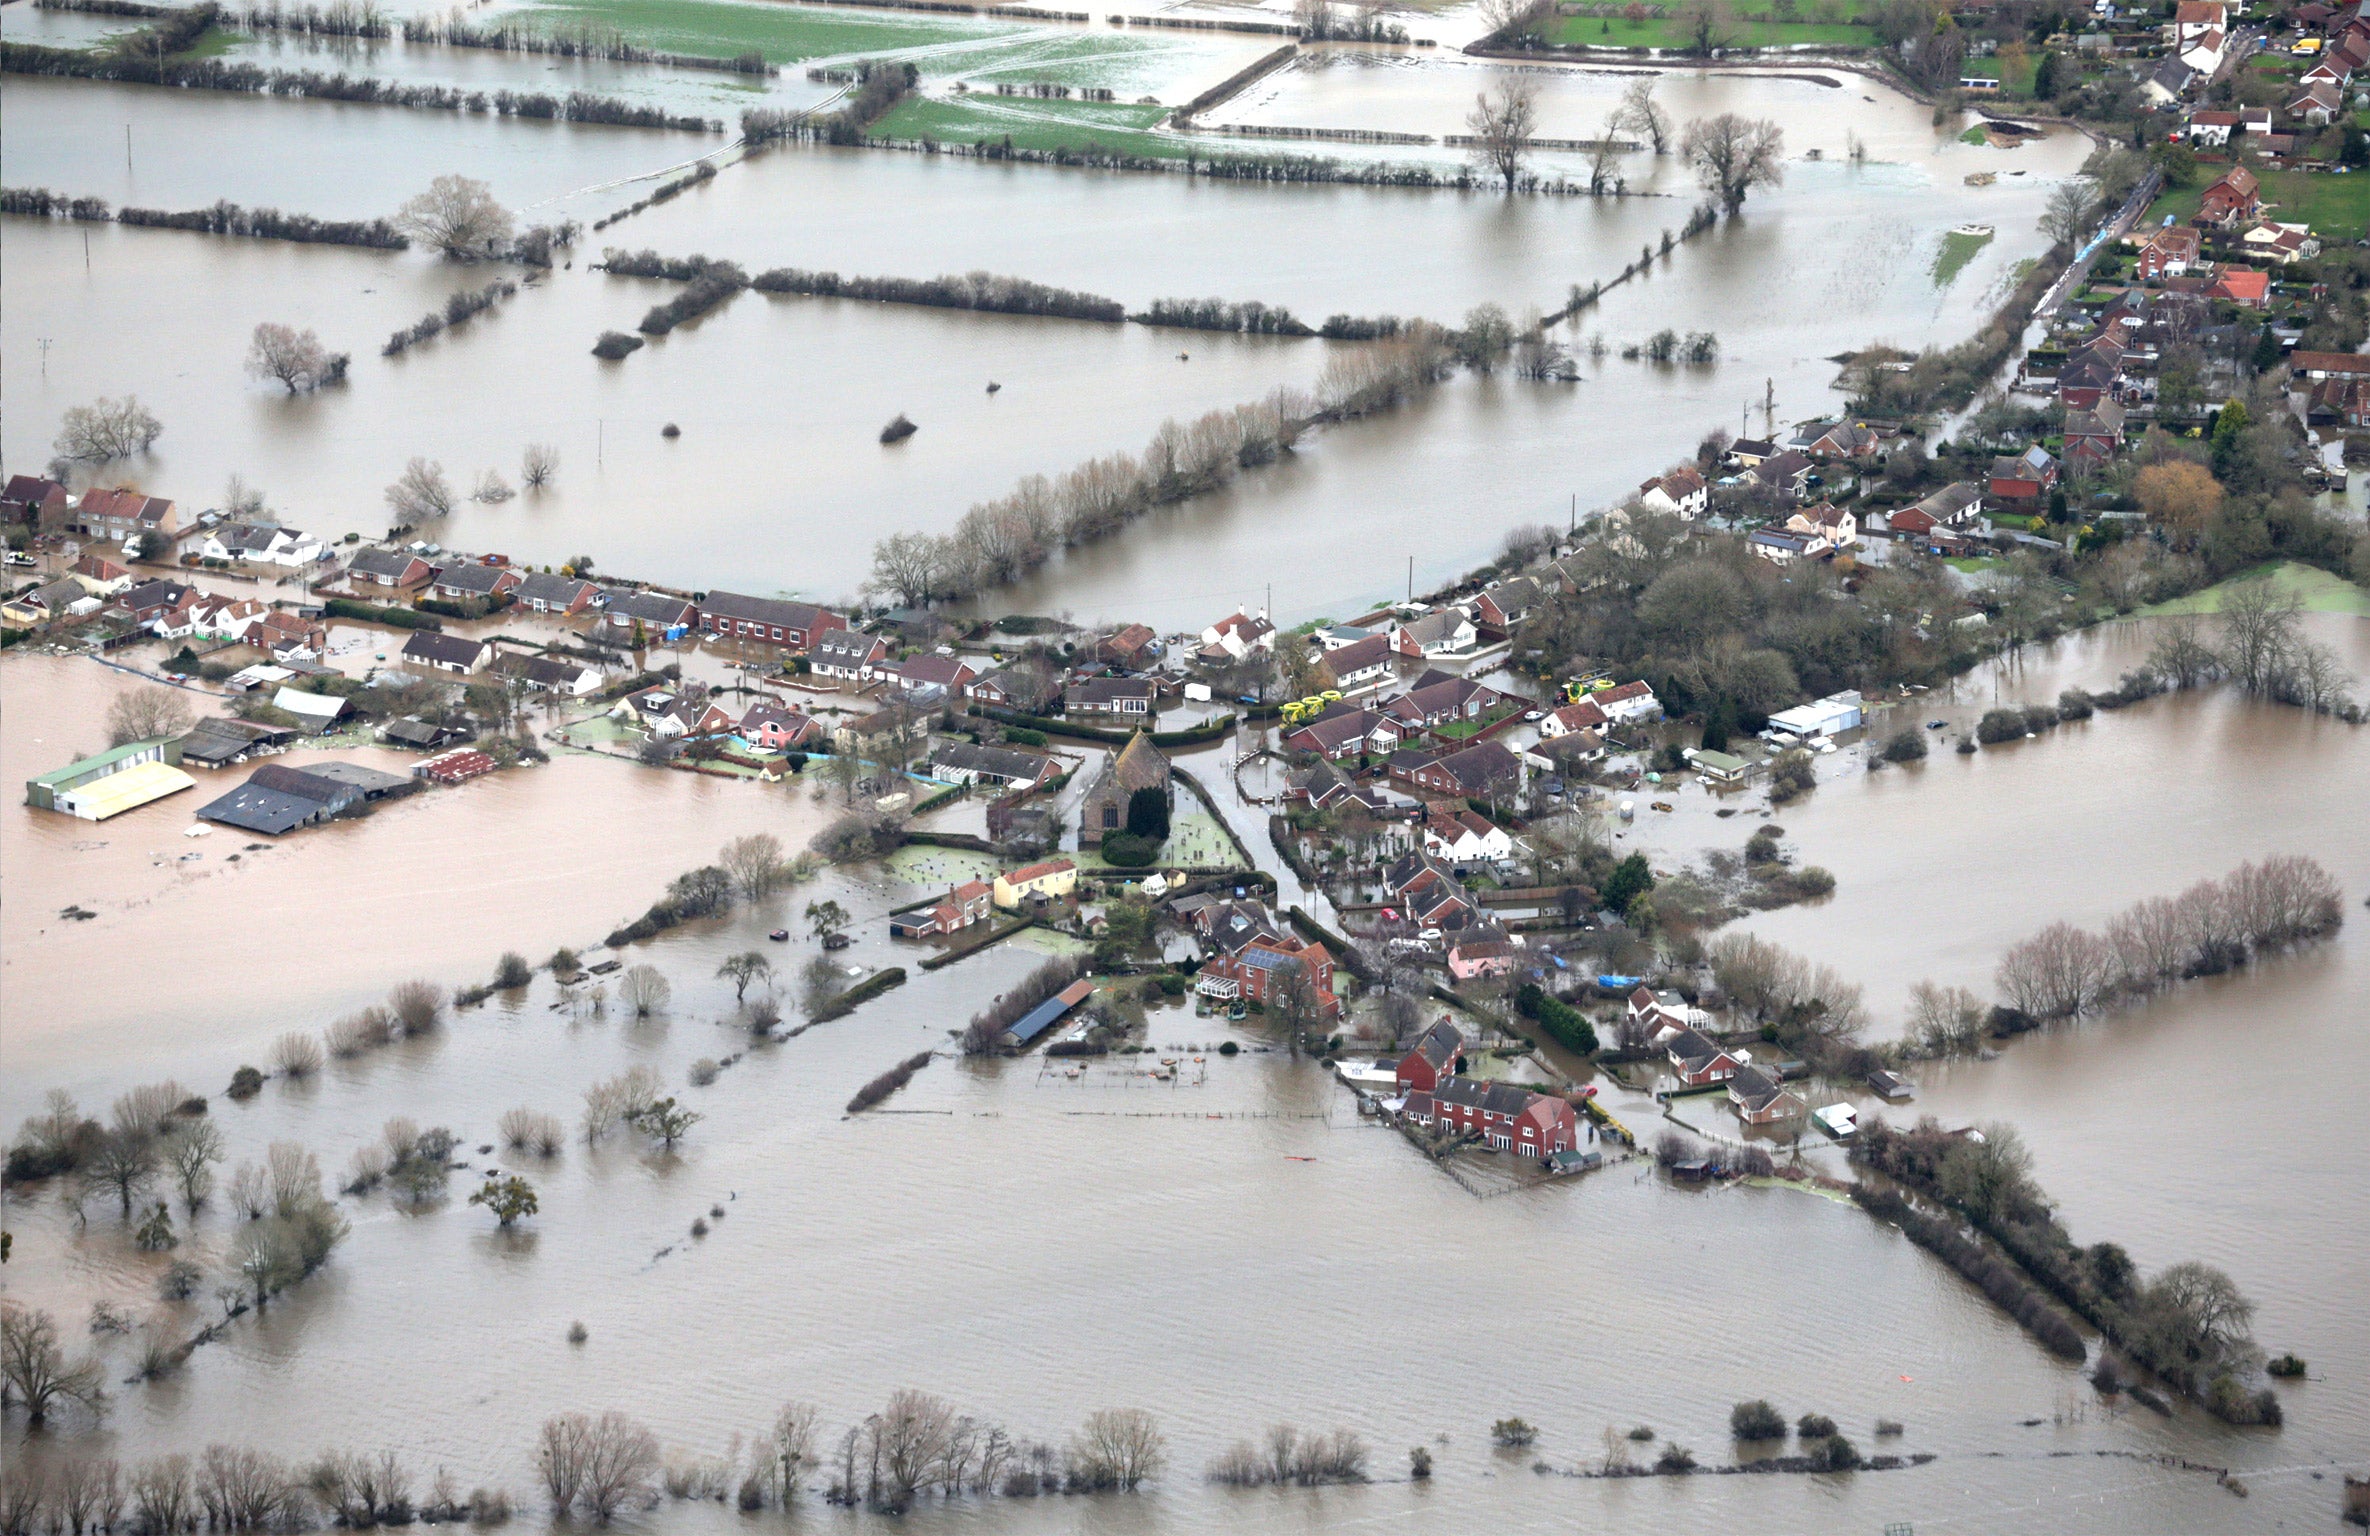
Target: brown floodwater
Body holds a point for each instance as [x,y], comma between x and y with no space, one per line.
[781,400]
[1034,1246]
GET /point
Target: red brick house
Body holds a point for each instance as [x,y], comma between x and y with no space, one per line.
[1502,1115]
[2024,479]
[399,569]
[1256,972]
[2170,252]
[962,906]
[792,626]
[1433,1061]
[2244,286]
[29,499]
[1760,1099]
[1696,1060]
[2236,198]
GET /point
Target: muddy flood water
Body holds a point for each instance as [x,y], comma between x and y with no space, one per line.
[781,400]
[1236,1247]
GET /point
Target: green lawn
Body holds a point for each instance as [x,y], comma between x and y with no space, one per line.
[2018,84]
[1670,32]
[2319,591]
[2179,203]
[1957,250]
[2337,207]
[785,34]
[1115,127]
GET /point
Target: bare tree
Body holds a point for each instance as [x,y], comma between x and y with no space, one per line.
[1732,155]
[146,713]
[2058,973]
[790,1453]
[421,491]
[121,1162]
[621,1459]
[2180,654]
[1603,154]
[107,429]
[1501,124]
[538,466]
[755,863]
[418,1006]
[34,1370]
[1945,1021]
[492,489]
[1641,114]
[2071,210]
[294,358]
[742,969]
[644,989]
[905,1440]
[191,1149]
[910,565]
[240,499]
[1117,1448]
[457,216]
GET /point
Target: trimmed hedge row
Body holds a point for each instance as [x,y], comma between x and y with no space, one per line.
[1565,1024]
[376,613]
[1054,725]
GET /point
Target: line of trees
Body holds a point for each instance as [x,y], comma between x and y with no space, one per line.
[339,18]
[704,171]
[253,79]
[584,40]
[888,1082]
[222,218]
[1286,1456]
[460,306]
[2189,1324]
[877,89]
[2214,926]
[231,1488]
[2258,643]
[986,291]
[712,283]
[1250,318]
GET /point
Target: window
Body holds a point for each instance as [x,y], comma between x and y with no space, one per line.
[1110,815]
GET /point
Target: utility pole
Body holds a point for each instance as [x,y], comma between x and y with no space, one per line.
[45,357]
[86,249]
[600,440]
[127,148]
[1575,528]
[1769,409]
[1411,578]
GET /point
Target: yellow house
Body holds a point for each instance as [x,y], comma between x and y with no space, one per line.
[1052,879]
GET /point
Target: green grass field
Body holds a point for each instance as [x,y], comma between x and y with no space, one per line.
[1669,32]
[2179,204]
[1957,250]
[2337,207]
[2319,591]
[1112,127]
[785,34]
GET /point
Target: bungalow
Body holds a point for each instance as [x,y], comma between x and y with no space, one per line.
[962,905]
[929,671]
[1484,771]
[1953,506]
[2329,365]
[1051,880]
[1132,647]
[1361,662]
[2316,105]
[1586,715]
[1443,632]
[100,576]
[1682,493]
[2023,480]
[1783,548]
[1697,1061]
[2254,120]
[479,583]
[41,504]
[653,614]
[550,674]
[2169,83]
[1236,636]
[2233,200]
[1508,603]
[1475,958]
[1748,452]
[398,569]
[125,515]
[445,653]
[1466,839]
[2243,286]
[45,604]
[1441,698]
[543,592]
[1261,969]
[2280,244]
[1120,698]
[1567,753]
[1760,1099]
[1788,472]
[261,544]
[1432,1061]
[1029,685]
[1628,702]
[1345,731]
[1504,1116]
[768,621]
[777,727]
[2169,252]
[1844,440]
[960,762]
[2095,436]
